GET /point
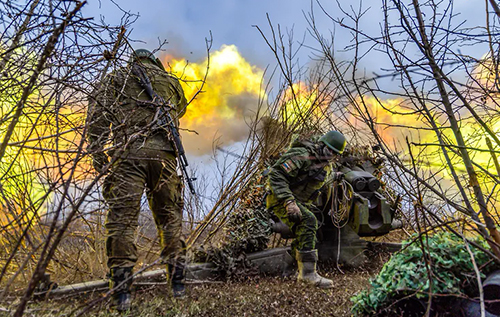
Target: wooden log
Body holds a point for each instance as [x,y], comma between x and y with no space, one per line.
[200,272]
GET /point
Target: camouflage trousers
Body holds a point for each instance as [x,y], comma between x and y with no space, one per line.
[153,171]
[304,230]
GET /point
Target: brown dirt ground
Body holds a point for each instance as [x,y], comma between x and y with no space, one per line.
[256,296]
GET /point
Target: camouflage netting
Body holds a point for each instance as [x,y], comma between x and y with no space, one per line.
[247,230]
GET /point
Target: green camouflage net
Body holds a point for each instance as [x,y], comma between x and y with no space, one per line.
[247,230]
[405,281]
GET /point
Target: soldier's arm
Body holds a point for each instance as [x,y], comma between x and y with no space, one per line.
[285,170]
[182,104]
[98,115]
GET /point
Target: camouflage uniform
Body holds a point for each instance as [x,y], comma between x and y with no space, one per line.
[146,160]
[298,175]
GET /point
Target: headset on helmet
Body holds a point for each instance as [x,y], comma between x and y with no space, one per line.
[335,141]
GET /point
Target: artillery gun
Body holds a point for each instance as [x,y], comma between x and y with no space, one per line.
[347,210]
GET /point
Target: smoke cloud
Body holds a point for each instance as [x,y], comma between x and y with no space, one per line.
[229,99]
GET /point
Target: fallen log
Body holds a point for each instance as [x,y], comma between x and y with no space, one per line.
[273,261]
[277,261]
[198,271]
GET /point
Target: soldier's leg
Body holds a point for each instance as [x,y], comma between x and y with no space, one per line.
[165,197]
[123,190]
[305,230]
[307,255]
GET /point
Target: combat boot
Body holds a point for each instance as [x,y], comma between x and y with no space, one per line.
[176,276]
[306,261]
[120,283]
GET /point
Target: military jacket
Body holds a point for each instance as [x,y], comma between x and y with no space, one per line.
[120,108]
[298,174]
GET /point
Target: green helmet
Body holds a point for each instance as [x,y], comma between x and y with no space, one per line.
[335,141]
[144,53]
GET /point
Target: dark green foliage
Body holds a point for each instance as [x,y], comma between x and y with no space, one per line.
[450,268]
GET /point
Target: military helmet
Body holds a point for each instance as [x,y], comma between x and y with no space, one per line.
[144,53]
[334,140]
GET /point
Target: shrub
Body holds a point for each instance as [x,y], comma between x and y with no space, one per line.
[405,274]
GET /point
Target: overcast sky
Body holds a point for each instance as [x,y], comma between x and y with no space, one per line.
[186,23]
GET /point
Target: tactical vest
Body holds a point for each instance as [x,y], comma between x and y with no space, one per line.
[117,111]
[312,175]
[306,186]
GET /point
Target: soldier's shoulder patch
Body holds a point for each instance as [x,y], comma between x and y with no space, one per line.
[288,166]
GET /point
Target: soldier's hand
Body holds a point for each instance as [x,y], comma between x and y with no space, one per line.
[100,160]
[293,211]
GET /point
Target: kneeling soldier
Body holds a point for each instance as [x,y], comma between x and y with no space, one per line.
[294,180]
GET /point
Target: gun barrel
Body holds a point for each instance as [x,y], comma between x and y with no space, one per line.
[373,184]
[359,184]
[361,180]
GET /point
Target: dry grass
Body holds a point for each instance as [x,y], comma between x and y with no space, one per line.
[259,296]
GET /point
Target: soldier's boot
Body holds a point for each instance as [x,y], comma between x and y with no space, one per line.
[176,275]
[120,283]
[306,261]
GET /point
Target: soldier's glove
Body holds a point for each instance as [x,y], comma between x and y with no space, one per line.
[293,211]
[338,176]
[100,160]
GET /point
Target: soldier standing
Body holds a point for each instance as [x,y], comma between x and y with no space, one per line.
[294,180]
[121,109]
